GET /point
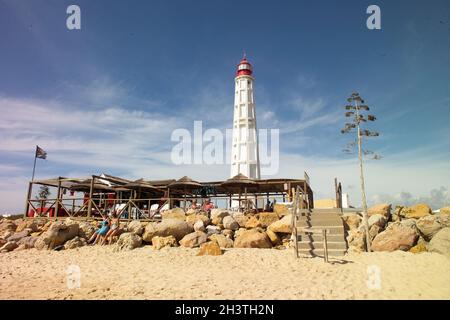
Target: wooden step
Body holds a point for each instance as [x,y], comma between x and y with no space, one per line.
[331,210]
[319,245]
[319,237]
[321,224]
[320,252]
[331,229]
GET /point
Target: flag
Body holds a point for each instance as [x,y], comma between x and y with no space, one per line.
[40,153]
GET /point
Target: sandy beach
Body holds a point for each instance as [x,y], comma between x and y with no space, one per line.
[177,273]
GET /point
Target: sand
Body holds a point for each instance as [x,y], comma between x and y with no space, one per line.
[177,273]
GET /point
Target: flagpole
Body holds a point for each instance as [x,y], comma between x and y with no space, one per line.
[34,166]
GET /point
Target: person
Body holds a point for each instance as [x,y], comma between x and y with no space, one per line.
[208,205]
[113,231]
[194,204]
[101,232]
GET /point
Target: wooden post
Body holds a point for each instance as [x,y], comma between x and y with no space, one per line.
[91,192]
[27,202]
[325,245]
[58,194]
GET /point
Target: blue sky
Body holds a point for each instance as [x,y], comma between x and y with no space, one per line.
[107,97]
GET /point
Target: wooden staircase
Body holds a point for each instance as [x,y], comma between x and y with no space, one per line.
[317,232]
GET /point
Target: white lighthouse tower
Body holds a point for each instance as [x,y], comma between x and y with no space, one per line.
[244,152]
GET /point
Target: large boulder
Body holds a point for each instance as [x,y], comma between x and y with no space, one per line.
[398,237]
[440,242]
[222,241]
[27,242]
[75,243]
[128,241]
[429,225]
[356,240]
[281,209]
[219,213]
[9,246]
[240,218]
[193,239]
[253,222]
[267,218]
[58,233]
[135,227]
[7,225]
[193,218]
[228,233]
[229,223]
[351,221]
[253,239]
[162,242]
[85,230]
[168,227]
[282,226]
[212,230]
[384,209]
[210,248]
[408,223]
[377,219]
[27,224]
[199,226]
[274,238]
[374,230]
[445,210]
[175,213]
[2,242]
[17,236]
[416,212]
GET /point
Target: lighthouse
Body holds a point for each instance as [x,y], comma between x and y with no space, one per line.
[244,151]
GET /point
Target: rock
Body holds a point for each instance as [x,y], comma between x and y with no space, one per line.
[428,226]
[217,221]
[58,233]
[228,233]
[19,235]
[210,248]
[212,230]
[222,213]
[415,212]
[199,226]
[230,224]
[356,240]
[7,234]
[377,219]
[193,218]
[440,243]
[85,230]
[398,237]
[7,225]
[222,241]
[46,226]
[374,230]
[267,218]
[281,209]
[445,210]
[2,242]
[128,241]
[237,233]
[409,223]
[175,213]
[351,221]
[75,243]
[27,242]
[240,218]
[135,227]
[27,224]
[162,242]
[282,226]
[253,222]
[273,237]
[194,239]
[384,209]
[9,246]
[252,239]
[418,248]
[168,227]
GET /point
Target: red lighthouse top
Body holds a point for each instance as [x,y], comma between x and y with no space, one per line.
[244,68]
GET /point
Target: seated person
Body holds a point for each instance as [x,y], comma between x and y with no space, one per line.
[113,231]
[102,231]
[208,205]
[194,204]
